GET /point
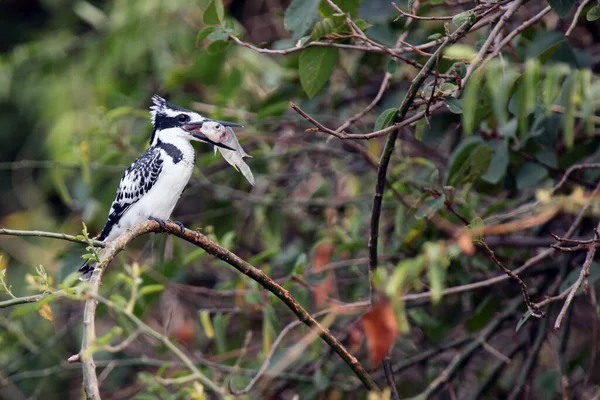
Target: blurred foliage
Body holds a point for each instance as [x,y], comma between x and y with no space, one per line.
[75,81]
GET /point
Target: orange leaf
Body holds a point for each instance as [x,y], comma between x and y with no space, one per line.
[381,329]
[46,313]
[322,290]
[323,254]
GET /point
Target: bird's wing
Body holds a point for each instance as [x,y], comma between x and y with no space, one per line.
[137,180]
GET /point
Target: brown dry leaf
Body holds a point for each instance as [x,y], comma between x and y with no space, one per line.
[46,313]
[381,329]
[465,242]
[321,291]
[323,254]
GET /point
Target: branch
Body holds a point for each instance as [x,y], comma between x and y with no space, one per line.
[198,239]
[389,377]
[583,4]
[196,374]
[51,235]
[533,308]
[390,143]
[30,299]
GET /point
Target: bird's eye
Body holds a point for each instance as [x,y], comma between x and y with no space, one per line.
[183,118]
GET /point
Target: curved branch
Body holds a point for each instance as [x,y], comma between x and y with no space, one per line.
[90,379]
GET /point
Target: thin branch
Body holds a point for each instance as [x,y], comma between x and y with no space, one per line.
[491,37]
[533,308]
[389,377]
[583,4]
[530,362]
[51,235]
[585,272]
[468,351]
[389,148]
[569,171]
[30,299]
[417,17]
[196,374]
[514,33]
[247,269]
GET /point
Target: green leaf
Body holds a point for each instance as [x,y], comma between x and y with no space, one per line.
[468,163]
[476,227]
[551,86]
[593,14]
[500,79]
[569,102]
[385,119]
[523,319]
[218,47]
[315,66]
[461,18]
[220,322]
[391,67]
[530,174]
[527,94]
[300,264]
[326,27]
[151,289]
[207,325]
[470,103]
[203,34]
[454,105]
[499,163]
[561,7]
[429,207]
[299,16]
[347,6]
[214,13]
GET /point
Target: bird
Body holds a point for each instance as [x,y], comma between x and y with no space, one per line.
[154,182]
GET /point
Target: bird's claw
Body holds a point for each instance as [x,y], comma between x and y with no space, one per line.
[180,225]
[161,223]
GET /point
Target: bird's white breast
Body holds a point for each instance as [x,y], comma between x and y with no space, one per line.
[161,199]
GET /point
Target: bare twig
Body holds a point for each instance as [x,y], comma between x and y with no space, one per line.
[569,171]
[530,361]
[30,299]
[585,272]
[389,377]
[196,374]
[389,148]
[533,308]
[582,5]
[491,37]
[514,33]
[409,15]
[51,235]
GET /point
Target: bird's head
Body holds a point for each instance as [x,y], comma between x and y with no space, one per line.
[172,122]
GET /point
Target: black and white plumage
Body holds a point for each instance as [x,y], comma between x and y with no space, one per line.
[154,182]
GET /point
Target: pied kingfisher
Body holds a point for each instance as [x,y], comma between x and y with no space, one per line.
[153,183]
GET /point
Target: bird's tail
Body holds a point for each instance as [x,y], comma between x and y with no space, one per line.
[86,270]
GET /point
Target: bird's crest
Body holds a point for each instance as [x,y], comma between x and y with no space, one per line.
[158,105]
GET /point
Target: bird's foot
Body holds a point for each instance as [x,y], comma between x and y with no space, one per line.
[160,222]
[179,224]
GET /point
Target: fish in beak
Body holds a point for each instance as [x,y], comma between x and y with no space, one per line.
[195,129]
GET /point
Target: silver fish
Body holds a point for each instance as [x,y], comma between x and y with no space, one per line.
[225,135]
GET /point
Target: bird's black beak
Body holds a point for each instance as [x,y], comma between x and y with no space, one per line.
[194,128]
[228,124]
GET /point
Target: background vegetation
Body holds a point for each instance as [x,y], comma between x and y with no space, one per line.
[481,119]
